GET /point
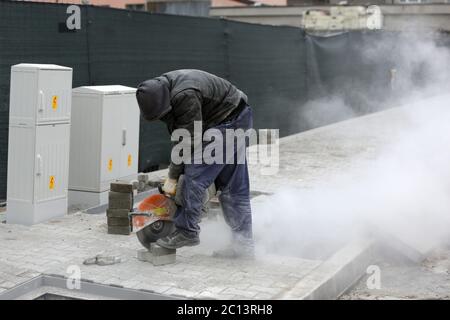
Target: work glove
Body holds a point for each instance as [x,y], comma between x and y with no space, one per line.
[170,187]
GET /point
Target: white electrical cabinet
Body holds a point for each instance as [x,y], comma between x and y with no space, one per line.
[39,137]
[104,142]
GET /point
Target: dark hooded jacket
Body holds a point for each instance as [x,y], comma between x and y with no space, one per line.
[181,97]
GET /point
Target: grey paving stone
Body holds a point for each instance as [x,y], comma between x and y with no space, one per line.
[8,284]
[117,200]
[156,260]
[243,293]
[118,222]
[263,296]
[117,213]
[180,292]
[120,204]
[142,177]
[160,251]
[121,187]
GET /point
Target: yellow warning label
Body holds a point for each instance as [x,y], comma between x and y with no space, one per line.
[51,183]
[55,102]
[130,160]
[160,211]
[110,165]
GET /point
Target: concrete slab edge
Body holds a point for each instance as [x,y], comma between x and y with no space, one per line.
[335,275]
[23,288]
[33,288]
[389,244]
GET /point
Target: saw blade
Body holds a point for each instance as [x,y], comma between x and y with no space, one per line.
[154,231]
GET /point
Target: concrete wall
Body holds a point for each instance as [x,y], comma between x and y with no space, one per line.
[396,17]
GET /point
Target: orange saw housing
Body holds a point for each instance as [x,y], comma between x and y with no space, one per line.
[158,205]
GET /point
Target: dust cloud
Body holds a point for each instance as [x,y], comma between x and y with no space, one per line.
[404,191]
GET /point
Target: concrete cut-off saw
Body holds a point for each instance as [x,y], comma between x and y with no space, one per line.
[154,218]
[154,215]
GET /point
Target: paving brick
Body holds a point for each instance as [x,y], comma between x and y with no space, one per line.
[8,284]
[117,213]
[180,292]
[121,187]
[144,255]
[118,222]
[119,200]
[147,256]
[119,230]
[142,177]
[135,184]
[163,260]
[160,251]
[141,186]
[243,293]
[261,289]
[263,296]
[206,295]
[119,195]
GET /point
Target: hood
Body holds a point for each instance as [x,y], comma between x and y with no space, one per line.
[153,97]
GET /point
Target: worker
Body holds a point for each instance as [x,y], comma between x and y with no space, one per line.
[180,98]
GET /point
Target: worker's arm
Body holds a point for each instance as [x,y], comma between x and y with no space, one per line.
[187,108]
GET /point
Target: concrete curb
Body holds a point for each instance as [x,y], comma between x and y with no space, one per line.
[43,284]
[390,243]
[336,275]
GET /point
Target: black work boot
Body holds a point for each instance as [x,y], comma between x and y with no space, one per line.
[178,239]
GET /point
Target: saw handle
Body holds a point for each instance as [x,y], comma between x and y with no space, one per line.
[161,191]
[139,214]
[160,188]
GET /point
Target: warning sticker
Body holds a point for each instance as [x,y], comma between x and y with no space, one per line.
[110,164]
[55,102]
[51,183]
[130,160]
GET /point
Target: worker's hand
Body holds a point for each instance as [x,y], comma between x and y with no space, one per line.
[170,187]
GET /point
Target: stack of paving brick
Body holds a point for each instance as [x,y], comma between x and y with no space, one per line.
[120,204]
[144,183]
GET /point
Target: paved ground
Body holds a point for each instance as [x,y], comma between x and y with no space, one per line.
[292,234]
[52,247]
[402,280]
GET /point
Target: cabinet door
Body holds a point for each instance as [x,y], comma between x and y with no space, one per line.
[111,141]
[54,96]
[23,98]
[129,135]
[51,162]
